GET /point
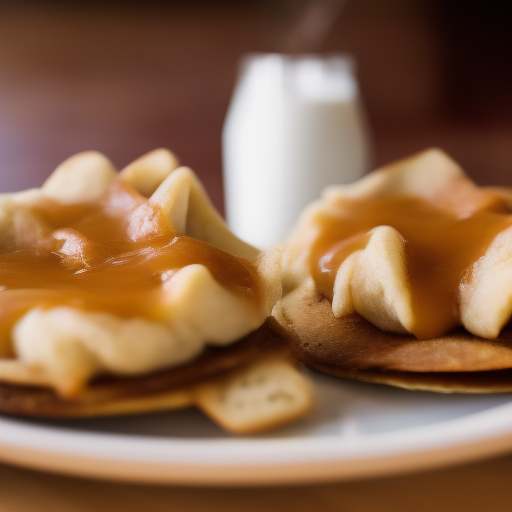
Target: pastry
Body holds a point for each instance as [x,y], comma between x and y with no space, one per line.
[126,292]
[404,278]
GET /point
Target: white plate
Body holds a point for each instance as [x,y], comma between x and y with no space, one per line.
[357,430]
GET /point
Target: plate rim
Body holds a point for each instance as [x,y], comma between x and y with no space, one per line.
[253,461]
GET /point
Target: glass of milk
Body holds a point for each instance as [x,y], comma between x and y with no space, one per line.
[294,126]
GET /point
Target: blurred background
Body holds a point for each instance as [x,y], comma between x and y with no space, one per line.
[126,77]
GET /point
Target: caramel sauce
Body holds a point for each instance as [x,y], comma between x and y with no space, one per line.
[92,258]
[443,240]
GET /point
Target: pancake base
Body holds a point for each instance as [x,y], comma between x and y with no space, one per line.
[169,389]
[353,348]
[497,381]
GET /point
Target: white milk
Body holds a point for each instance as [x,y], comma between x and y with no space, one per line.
[294,126]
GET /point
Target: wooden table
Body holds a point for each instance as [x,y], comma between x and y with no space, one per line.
[480,487]
[124,81]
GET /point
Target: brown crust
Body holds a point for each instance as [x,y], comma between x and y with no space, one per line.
[497,381]
[109,395]
[352,347]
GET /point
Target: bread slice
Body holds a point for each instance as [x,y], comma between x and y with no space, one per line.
[264,395]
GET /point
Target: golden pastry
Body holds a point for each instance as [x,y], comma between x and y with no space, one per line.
[405,278]
[126,292]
